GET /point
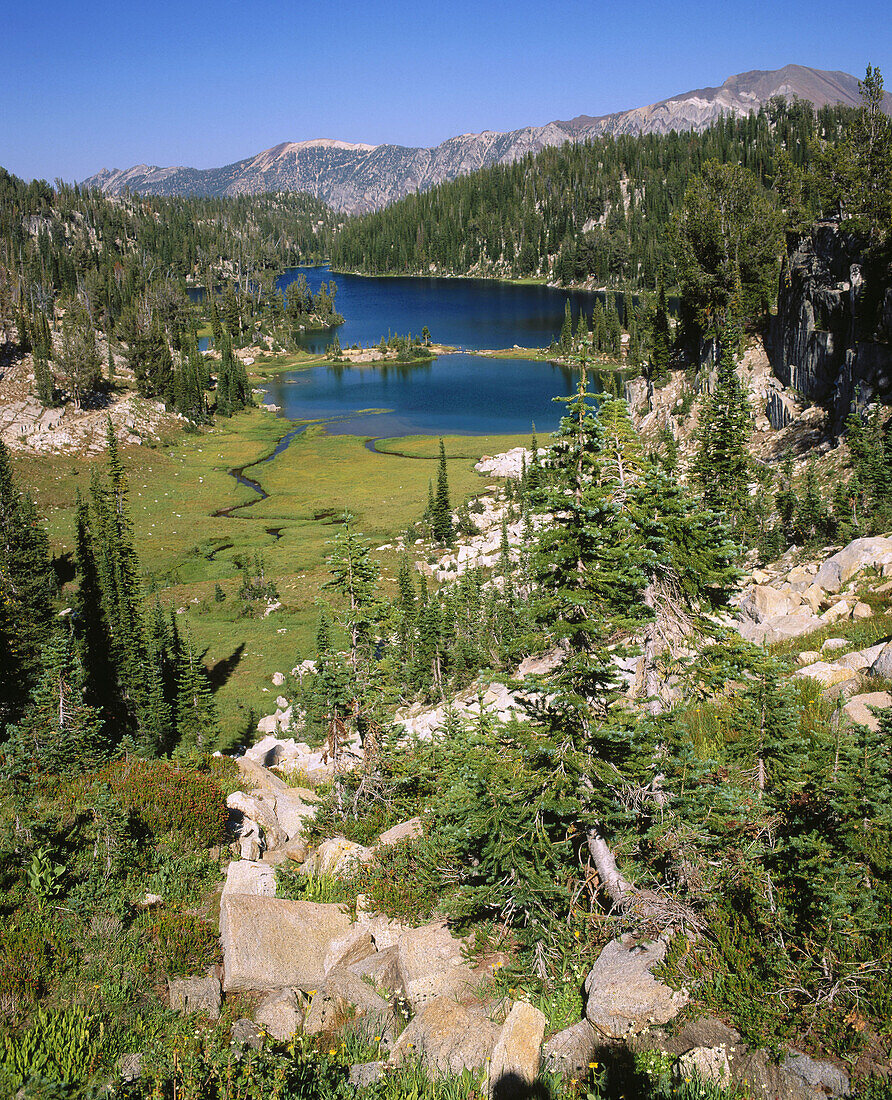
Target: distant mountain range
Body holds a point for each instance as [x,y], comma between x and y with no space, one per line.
[357,178]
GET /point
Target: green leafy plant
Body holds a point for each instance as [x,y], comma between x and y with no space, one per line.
[44,876]
[292,883]
[60,1046]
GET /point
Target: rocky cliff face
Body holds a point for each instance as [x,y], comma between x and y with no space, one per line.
[358,178]
[831,339]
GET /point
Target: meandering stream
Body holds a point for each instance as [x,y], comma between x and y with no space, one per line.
[459,394]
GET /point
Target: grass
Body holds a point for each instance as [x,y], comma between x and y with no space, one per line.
[268,366]
[539,355]
[861,633]
[186,551]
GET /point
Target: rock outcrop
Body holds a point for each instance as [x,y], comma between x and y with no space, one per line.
[271,943]
[831,339]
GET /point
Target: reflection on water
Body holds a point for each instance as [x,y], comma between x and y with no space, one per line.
[455,394]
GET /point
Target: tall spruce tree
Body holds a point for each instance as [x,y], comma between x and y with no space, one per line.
[722,465]
[441,517]
[60,734]
[27,585]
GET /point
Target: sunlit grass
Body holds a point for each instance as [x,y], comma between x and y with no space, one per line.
[186,551]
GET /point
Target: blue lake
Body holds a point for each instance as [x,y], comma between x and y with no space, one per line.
[453,395]
[470,314]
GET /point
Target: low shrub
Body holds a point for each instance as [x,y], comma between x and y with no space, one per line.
[26,964]
[404,881]
[183,943]
[165,798]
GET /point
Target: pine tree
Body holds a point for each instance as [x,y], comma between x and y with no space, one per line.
[810,521]
[441,516]
[60,734]
[660,337]
[27,586]
[722,464]
[354,576]
[566,338]
[90,625]
[197,727]
[406,613]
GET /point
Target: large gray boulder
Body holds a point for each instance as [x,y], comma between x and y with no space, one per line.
[826,673]
[271,943]
[822,1078]
[839,569]
[780,629]
[346,996]
[293,810]
[279,1014]
[363,1074]
[882,663]
[432,964]
[339,857]
[405,830]
[247,1033]
[623,995]
[756,1074]
[859,709]
[381,970]
[708,1063]
[246,876]
[258,775]
[199,994]
[447,1037]
[517,1056]
[570,1051]
[763,602]
[260,810]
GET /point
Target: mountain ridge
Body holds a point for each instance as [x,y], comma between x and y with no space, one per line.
[355,177]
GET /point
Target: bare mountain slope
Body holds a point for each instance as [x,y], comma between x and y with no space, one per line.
[356,178]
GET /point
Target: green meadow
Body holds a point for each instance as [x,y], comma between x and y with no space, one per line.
[186,551]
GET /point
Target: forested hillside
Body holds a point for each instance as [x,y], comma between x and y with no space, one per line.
[597,212]
[85,279]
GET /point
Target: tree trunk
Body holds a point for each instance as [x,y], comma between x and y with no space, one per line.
[614,882]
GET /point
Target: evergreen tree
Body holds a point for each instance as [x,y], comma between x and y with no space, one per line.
[660,337]
[27,585]
[354,576]
[197,727]
[566,339]
[60,733]
[811,515]
[721,465]
[441,514]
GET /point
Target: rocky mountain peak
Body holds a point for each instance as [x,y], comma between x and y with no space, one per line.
[356,177]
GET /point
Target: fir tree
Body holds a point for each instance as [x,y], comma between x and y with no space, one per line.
[60,734]
[722,464]
[27,585]
[566,339]
[660,337]
[441,515]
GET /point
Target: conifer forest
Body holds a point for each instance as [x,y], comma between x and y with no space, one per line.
[570,780]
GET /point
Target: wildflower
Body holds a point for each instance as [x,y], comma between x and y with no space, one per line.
[593,1065]
[332,1052]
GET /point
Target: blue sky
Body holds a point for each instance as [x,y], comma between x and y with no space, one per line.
[94,84]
